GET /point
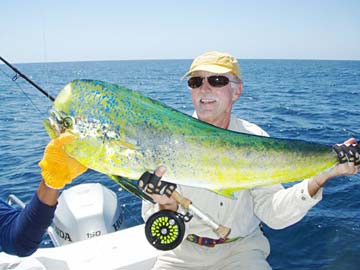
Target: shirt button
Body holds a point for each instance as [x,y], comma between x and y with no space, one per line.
[302,191]
[303,198]
[221,204]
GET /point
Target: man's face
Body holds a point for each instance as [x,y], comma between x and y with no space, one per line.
[214,104]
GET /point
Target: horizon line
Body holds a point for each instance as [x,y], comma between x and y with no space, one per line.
[181,59]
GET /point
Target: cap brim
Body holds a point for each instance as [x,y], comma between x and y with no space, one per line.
[208,68]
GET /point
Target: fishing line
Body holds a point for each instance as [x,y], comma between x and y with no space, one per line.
[45,50]
[14,78]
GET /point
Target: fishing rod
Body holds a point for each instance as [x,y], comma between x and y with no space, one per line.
[26,78]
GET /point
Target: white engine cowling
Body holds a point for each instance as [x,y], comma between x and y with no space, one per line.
[85,211]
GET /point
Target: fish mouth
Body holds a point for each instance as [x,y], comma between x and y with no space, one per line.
[60,121]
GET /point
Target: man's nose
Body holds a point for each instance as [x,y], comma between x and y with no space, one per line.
[205,85]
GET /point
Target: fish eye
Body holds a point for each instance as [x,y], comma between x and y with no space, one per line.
[67,122]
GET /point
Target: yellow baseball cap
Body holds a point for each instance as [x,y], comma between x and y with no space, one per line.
[215,62]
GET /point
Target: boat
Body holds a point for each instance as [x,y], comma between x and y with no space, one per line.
[86,234]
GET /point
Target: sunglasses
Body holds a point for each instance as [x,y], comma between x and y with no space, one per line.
[215,81]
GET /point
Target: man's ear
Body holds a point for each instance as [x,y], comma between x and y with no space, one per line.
[237,91]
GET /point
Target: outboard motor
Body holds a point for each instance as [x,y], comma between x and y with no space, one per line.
[85,211]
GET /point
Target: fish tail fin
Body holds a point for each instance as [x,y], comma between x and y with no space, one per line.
[129,186]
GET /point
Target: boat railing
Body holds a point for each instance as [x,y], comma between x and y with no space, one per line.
[14,199]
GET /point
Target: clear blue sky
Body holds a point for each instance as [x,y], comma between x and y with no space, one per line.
[78,30]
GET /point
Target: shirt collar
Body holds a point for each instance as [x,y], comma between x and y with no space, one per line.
[232,124]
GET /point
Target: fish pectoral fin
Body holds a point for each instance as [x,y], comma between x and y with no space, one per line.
[126,145]
[229,193]
[49,129]
[131,187]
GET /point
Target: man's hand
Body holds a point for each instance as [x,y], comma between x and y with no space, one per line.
[159,191]
[57,168]
[349,163]
[349,157]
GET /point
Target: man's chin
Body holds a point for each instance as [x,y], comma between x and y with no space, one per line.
[206,117]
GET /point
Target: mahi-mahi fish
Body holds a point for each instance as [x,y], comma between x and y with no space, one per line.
[121,132]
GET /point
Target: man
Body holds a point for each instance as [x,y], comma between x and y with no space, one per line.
[215,82]
[21,231]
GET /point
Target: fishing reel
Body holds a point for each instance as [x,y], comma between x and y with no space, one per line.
[165,229]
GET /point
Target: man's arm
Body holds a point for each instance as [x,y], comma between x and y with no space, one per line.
[280,208]
[21,231]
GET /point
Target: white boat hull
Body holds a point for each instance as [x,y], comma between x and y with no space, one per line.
[125,249]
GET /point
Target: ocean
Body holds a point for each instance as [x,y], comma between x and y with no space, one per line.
[301,99]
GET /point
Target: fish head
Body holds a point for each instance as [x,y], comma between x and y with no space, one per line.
[85,128]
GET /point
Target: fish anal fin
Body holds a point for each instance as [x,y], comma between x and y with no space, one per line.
[129,186]
[229,193]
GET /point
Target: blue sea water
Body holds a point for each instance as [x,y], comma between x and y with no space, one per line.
[302,99]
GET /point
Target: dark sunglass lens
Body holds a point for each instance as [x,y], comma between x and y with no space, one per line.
[218,81]
[195,82]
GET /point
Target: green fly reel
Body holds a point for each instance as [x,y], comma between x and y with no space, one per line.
[165,229]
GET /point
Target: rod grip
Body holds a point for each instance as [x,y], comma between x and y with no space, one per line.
[221,230]
[180,199]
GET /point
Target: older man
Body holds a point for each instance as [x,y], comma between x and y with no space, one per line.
[215,82]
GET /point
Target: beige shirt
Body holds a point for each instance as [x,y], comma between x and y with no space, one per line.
[274,205]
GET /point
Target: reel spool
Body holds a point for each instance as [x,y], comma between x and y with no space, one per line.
[165,229]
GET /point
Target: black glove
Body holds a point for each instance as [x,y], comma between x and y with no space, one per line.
[152,184]
[348,153]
